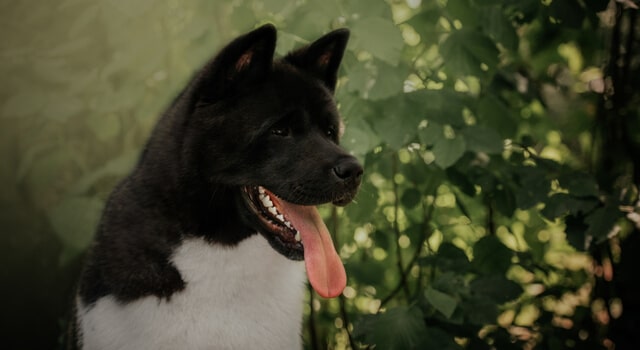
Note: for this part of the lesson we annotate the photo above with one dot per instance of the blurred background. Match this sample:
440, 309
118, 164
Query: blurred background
501, 144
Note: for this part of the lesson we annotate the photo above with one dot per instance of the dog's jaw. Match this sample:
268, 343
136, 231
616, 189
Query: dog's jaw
297, 231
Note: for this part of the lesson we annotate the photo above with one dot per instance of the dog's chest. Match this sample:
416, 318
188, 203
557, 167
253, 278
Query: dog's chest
245, 297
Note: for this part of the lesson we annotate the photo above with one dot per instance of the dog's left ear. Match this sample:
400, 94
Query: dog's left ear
322, 57
246, 60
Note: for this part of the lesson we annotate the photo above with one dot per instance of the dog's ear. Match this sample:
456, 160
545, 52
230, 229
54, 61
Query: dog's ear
322, 57
248, 58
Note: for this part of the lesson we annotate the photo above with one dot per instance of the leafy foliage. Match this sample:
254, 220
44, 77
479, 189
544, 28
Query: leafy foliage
491, 185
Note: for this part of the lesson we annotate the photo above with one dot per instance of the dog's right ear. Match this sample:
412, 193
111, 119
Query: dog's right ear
246, 59
322, 57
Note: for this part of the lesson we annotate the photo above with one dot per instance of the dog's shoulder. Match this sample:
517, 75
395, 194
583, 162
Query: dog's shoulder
130, 256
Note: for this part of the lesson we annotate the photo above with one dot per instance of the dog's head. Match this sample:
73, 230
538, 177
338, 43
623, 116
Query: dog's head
270, 128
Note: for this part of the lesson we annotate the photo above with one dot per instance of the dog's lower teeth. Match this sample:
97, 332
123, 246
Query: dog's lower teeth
261, 190
273, 210
297, 236
280, 217
288, 224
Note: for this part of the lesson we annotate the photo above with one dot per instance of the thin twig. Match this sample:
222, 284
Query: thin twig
345, 320
341, 298
427, 212
491, 224
403, 278
396, 229
312, 321
405, 272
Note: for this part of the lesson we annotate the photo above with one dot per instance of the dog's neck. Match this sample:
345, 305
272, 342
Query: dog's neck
203, 207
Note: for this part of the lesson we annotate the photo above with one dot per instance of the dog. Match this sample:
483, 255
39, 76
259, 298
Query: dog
204, 245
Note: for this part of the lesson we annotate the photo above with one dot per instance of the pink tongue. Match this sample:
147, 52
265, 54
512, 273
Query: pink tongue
324, 267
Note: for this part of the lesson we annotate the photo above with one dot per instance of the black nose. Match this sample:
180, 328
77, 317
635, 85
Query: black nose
348, 170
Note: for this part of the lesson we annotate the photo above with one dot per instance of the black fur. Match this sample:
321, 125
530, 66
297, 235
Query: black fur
244, 120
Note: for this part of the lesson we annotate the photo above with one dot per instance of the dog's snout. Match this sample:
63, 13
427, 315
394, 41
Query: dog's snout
348, 170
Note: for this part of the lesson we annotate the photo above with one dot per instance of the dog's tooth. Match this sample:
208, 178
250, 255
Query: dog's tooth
297, 236
288, 224
273, 210
266, 201
280, 217
260, 189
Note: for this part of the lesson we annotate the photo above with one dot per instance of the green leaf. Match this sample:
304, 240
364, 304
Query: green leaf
360, 79
368, 8
74, 221
287, 42
31, 156
359, 138
378, 36
370, 272
527, 141
448, 151
575, 229
560, 204
437, 338
442, 302
480, 311
568, 12
45, 170
533, 186
461, 180
504, 200
449, 258
389, 81
24, 103
399, 328
242, 17
364, 204
104, 127
60, 108
410, 198
451, 283
275, 5
482, 139
464, 52
499, 28
463, 11
490, 256
440, 106
397, 121
601, 221
579, 184
492, 112
431, 134
497, 288
117, 167
424, 22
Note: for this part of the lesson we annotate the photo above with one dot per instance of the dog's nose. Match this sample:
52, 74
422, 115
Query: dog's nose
348, 170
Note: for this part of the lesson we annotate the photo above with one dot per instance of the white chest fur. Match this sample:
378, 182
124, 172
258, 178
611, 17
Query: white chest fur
245, 297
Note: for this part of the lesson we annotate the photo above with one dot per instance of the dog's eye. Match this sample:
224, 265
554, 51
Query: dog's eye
331, 132
281, 131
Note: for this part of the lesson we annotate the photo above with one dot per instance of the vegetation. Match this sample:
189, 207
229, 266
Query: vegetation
500, 139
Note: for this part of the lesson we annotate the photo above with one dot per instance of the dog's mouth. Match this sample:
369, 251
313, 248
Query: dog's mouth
298, 232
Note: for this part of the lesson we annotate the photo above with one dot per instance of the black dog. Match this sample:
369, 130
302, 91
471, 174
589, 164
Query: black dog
201, 246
